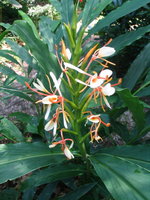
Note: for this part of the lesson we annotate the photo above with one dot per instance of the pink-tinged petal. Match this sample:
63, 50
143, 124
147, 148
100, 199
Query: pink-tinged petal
106, 51
108, 90
94, 118
106, 73
83, 83
47, 112
67, 153
106, 102
50, 125
56, 83
95, 81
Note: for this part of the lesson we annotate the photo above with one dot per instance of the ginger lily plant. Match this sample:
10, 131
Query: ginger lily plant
74, 89
74, 107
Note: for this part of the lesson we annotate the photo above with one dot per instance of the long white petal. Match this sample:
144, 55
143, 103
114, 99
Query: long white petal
72, 143
47, 112
106, 102
75, 68
37, 86
40, 83
64, 121
68, 53
56, 83
67, 153
49, 126
79, 81
60, 78
55, 129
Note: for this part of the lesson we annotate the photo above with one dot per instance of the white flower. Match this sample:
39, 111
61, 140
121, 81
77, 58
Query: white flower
39, 86
68, 153
49, 99
96, 81
52, 124
94, 118
56, 83
108, 90
106, 51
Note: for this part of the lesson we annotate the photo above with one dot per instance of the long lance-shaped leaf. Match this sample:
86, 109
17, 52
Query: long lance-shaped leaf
135, 106
5, 54
67, 10
47, 28
10, 131
22, 158
16, 92
121, 11
39, 49
51, 174
128, 38
125, 171
22, 53
30, 22
92, 9
10, 73
139, 65
78, 192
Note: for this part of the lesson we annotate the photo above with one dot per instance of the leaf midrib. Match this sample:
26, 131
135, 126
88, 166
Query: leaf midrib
122, 178
29, 157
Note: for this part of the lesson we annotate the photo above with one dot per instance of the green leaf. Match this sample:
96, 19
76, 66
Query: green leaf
144, 92
67, 8
22, 158
125, 171
22, 53
16, 92
29, 21
128, 38
46, 59
139, 65
57, 5
51, 174
4, 54
10, 131
11, 73
124, 9
5, 25
79, 192
92, 9
135, 106
29, 194
9, 194
47, 191
47, 27
15, 3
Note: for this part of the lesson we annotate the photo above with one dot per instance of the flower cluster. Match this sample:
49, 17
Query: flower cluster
100, 88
